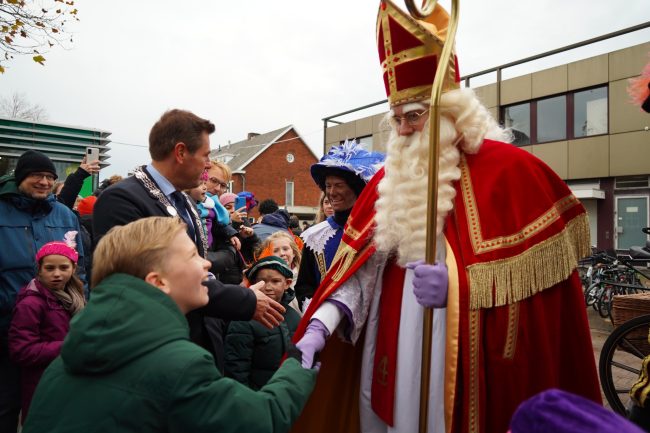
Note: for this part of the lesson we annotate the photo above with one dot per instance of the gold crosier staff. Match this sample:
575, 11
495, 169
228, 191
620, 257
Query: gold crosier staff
432, 203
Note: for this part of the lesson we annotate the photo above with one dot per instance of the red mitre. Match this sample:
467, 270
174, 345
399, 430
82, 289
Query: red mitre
409, 50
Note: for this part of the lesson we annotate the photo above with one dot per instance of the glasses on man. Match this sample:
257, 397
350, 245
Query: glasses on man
38, 176
412, 117
216, 181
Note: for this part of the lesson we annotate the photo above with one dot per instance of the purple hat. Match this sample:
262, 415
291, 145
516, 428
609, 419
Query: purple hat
556, 411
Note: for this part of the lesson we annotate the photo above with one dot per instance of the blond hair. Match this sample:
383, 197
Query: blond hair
136, 248
224, 167
320, 216
266, 247
402, 206
114, 179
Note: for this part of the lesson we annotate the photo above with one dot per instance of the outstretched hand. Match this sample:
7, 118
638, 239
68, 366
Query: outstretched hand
430, 283
295, 353
267, 311
312, 342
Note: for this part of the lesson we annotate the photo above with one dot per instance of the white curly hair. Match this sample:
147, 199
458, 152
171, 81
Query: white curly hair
402, 204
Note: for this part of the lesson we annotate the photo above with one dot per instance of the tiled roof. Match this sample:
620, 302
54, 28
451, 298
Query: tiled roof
244, 151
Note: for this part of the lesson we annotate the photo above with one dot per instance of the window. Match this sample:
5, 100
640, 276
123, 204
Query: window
573, 115
590, 112
288, 199
638, 181
7, 164
517, 118
551, 119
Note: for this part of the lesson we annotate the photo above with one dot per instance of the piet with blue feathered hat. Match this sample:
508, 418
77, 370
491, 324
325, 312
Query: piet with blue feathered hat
350, 161
356, 166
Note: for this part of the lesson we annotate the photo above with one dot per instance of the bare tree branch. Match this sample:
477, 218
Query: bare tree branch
27, 27
17, 106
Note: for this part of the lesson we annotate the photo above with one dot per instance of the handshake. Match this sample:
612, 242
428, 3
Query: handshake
429, 287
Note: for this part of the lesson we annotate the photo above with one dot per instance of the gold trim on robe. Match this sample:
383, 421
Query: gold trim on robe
452, 337
501, 282
474, 390
513, 328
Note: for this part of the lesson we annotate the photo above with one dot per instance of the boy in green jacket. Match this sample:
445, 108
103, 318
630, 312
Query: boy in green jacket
128, 365
253, 353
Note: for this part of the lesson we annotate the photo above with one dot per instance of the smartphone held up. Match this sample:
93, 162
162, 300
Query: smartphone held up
92, 154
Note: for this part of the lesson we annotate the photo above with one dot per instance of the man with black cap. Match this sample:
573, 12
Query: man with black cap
30, 216
341, 174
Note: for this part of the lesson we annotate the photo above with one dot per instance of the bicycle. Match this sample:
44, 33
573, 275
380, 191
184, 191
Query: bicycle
620, 359
609, 277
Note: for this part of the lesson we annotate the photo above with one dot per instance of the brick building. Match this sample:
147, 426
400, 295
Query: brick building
274, 165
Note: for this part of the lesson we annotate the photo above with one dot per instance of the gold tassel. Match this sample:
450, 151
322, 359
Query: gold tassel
540, 267
345, 254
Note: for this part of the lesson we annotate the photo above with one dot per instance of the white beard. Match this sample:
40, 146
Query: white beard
402, 205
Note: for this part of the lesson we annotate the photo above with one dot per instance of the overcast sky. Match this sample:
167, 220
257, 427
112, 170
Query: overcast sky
258, 65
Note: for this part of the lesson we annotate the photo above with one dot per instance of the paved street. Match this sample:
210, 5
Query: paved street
600, 330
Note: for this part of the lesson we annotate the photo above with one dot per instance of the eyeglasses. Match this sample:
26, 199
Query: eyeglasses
38, 176
412, 117
216, 181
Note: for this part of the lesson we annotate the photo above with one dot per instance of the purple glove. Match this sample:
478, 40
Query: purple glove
429, 283
312, 342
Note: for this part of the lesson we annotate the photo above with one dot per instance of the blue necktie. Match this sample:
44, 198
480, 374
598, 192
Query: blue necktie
183, 212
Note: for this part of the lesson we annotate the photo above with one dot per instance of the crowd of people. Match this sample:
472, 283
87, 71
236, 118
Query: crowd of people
154, 305
171, 222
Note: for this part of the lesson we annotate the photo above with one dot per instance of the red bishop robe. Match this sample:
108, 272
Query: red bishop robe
516, 322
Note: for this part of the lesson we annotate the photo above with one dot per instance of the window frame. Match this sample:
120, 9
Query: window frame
566, 117
286, 191
570, 114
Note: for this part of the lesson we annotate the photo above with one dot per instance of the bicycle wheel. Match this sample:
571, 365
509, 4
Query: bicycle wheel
620, 361
604, 304
591, 294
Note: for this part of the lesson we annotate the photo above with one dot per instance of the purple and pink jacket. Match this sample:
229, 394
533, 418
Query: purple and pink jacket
39, 325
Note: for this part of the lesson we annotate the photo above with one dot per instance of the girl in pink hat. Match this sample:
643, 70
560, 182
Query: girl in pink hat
42, 314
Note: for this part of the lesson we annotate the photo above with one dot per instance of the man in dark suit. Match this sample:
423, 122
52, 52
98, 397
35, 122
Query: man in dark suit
179, 146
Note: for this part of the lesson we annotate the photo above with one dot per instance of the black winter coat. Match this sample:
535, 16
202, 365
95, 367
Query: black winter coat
253, 352
227, 263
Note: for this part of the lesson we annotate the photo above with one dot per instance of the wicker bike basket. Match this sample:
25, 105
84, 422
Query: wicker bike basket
627, 307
